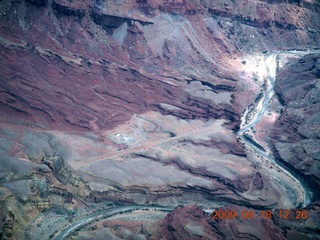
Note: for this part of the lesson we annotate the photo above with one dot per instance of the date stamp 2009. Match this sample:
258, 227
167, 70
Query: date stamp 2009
264, 214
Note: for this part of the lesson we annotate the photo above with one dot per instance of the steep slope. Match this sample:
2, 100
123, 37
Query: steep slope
105, 103
295, 136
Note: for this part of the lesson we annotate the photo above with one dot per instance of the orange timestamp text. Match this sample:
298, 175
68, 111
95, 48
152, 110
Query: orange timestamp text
264, 214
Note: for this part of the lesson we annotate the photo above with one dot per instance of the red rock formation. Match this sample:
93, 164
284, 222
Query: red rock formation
192, 223
80, 68
84, 70
187, 222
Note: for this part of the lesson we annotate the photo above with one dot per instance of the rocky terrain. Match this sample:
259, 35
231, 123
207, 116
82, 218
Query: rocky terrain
295, 136
191, 222
109, 103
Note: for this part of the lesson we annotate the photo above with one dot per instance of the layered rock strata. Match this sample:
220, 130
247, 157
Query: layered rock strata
108, 103
295, 136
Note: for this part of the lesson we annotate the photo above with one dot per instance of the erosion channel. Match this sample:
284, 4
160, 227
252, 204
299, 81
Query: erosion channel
295, 199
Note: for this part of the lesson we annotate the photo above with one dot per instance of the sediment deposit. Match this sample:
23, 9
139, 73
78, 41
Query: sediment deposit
109, 103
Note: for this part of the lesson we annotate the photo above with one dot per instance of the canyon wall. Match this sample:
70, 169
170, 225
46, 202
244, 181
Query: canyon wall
105, 103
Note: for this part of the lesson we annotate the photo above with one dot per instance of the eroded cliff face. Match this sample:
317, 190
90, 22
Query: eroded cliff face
191, 222
295, 136
60, 47
137, 102
101, 78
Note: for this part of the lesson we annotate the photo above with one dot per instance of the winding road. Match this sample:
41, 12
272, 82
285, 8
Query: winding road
106, 213
271, 66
